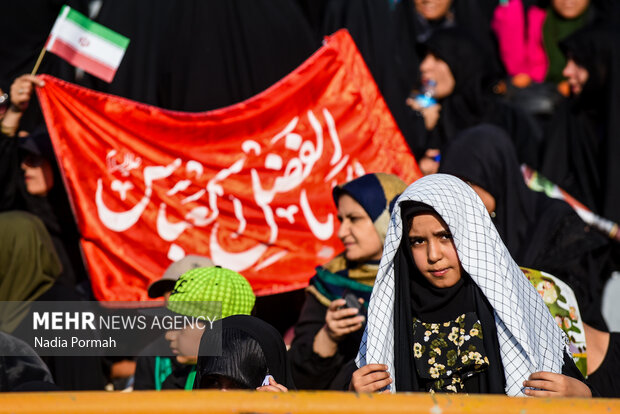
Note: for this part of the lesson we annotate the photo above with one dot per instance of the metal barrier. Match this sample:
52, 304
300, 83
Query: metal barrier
187, 402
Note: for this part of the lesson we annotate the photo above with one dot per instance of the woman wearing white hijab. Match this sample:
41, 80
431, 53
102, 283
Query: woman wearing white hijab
451, 311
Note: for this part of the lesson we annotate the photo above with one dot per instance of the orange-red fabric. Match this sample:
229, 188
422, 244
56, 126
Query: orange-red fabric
248, 185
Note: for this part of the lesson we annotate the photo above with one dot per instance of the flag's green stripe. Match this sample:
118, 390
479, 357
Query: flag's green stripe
101, 31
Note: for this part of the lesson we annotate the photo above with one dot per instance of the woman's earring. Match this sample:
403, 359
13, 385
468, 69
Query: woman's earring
492, 214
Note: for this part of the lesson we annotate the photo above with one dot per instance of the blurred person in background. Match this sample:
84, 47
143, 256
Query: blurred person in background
540, 232
328, 332
456, 76
581, 148
30, 270
529, 34
32, 182
253, 357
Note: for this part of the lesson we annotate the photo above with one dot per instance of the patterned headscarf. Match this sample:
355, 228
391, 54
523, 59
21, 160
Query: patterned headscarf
529, 340
376, 194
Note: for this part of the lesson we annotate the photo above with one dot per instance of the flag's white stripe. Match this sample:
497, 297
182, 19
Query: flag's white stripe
59, 21
92, 66
90, 44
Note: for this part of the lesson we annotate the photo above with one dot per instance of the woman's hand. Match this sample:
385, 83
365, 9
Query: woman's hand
370, 378
272, 387
338, 324
430, 113
21, 91
549, 384
339, 321
429, 163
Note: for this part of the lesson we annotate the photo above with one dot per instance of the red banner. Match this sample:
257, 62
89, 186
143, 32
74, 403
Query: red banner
248, 185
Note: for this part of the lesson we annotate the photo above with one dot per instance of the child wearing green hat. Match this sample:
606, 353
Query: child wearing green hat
203, 293
200, 293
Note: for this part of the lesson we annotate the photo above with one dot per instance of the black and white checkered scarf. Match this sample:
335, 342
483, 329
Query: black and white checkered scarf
529, 340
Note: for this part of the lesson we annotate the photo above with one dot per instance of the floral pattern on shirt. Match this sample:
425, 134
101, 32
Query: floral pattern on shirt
448, 353
562, 303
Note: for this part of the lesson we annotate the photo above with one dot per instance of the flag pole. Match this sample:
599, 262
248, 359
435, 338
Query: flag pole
36, 65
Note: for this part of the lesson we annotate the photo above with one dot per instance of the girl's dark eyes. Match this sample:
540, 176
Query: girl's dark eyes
419, 240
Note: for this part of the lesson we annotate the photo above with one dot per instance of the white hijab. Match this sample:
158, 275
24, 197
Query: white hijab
529, 339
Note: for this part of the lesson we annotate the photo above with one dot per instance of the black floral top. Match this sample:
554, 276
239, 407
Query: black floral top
448, 353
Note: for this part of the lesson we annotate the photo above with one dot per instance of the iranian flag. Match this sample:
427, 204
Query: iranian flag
86, 44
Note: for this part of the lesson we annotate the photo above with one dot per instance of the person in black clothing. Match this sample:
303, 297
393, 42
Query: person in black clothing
473, 16
540, 232
461, 75
605, 377
253, 357
386, 34
21, 369
32, 182
582, 148
29, 271
328, 332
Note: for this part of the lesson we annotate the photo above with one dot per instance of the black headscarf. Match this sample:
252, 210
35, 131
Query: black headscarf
200, 55
53, 208
384, 33
251, 349
418, 298
471, 102
472, 16
582, 148
484, 155
540, 232
21, 369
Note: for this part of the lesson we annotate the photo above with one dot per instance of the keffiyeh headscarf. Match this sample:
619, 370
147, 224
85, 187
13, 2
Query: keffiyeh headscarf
529, 340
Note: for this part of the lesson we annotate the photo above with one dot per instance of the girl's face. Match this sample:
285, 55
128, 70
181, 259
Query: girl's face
357, 231
435, 69
433, 250
576, 75
569, 9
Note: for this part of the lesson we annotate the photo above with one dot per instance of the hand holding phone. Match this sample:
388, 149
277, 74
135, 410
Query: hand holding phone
352, 301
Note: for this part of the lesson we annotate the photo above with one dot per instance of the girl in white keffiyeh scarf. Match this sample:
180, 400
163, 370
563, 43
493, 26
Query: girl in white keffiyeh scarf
451, 311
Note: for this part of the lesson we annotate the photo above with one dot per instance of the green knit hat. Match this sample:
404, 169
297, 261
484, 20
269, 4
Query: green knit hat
199, 292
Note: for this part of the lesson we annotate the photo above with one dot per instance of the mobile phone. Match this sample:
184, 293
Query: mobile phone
352, 301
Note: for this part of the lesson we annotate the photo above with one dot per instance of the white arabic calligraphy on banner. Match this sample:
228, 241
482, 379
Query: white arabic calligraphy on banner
293, 174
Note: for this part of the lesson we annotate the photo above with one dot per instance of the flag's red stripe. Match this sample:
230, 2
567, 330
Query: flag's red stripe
90, 65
